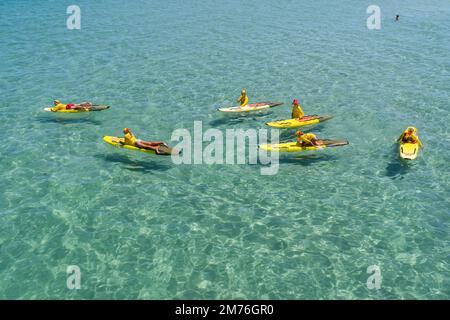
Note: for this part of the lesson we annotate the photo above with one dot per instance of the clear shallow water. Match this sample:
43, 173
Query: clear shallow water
141, 227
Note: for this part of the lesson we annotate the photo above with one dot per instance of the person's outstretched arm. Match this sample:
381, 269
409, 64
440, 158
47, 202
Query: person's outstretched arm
419, 142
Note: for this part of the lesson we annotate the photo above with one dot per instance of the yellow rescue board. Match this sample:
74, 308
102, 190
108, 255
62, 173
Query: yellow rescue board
93, 108
117, 142
294, 147
298, 122
409, 151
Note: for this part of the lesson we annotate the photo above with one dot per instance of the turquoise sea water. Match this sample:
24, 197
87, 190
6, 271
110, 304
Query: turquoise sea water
140, 227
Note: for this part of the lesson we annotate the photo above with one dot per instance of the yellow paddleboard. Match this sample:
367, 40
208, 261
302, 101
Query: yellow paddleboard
93, 108
162, 149
117, 143
293, 147
295, 123
409, 151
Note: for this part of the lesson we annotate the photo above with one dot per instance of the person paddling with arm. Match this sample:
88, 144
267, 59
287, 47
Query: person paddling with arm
131, 140
410, 136
307, 139
58, 106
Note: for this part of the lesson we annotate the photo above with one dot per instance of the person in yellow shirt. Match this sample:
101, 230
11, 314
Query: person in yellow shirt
58, 106
297, 112
131, 140
243, 99
307, 139
410, 136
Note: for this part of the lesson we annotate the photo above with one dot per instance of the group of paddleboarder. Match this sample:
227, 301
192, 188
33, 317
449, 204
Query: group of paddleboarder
128, 139
302, 139
310, 139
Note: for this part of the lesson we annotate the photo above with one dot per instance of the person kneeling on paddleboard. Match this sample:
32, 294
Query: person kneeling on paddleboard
243, 99
307, 139
410, 136
130, 139
61, 106
297, 112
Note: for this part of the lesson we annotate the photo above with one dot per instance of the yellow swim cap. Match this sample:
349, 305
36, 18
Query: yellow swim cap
244, 91
56, 101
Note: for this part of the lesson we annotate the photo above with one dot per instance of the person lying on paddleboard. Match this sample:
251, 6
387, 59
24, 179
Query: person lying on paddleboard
243, 99
307, 139
410, 136
130, 139
297, 112
61, 106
